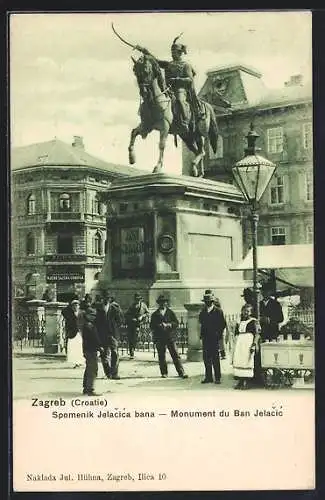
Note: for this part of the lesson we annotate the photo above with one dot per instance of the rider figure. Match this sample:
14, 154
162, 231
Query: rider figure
179, 77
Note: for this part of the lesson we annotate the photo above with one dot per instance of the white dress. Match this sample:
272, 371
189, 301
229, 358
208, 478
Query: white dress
74, 350
243, 358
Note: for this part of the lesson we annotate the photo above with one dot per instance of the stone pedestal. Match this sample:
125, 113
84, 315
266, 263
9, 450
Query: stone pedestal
54, 336
173, 235
194, 352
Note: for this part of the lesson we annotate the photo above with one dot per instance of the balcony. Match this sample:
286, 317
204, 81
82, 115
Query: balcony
65, 257
64, 216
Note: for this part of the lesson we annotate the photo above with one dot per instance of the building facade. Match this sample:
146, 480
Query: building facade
283, 120
58, 218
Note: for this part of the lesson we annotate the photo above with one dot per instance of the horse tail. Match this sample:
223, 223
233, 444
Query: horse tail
213, 131
175, 140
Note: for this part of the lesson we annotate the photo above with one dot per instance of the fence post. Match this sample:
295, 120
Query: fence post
35, 317
194, 350
53, 330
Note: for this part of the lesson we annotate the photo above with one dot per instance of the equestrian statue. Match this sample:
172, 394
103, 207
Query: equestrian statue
169, 104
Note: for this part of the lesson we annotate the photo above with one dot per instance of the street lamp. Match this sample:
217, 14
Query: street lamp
252, 175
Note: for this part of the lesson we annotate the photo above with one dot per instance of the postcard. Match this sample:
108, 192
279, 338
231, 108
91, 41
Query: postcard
162, 241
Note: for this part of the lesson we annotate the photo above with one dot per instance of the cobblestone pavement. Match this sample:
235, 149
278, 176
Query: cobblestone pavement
53, 377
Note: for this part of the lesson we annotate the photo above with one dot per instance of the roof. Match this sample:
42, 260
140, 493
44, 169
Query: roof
279, 257
293, 264
232, 67
59, 153
284, 95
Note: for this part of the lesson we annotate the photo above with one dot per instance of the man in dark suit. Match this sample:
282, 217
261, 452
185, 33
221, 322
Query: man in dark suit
109, 318
163, 324
136, 315
213, 323
271, 314
91, 344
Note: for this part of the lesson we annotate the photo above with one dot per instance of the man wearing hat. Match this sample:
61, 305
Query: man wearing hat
179, 77
213, 323
136, 315
164, 324
109, 318
271, 314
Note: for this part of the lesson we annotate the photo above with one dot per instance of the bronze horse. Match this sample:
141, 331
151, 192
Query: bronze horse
157, 113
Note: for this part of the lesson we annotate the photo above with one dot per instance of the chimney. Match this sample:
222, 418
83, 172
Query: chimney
78, 142
294, 81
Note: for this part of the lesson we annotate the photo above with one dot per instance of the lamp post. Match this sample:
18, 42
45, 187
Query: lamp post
252, 175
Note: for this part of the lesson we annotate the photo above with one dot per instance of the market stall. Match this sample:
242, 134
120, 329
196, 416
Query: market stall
289, 361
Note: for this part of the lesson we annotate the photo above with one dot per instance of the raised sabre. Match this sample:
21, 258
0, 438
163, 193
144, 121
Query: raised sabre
134, 47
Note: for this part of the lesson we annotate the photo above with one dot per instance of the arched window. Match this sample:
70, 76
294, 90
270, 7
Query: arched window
96, 276
65, 202
98, 243
30, 244
96, 205
31, 204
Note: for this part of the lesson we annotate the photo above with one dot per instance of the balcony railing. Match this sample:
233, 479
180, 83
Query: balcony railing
65, 257
58, 216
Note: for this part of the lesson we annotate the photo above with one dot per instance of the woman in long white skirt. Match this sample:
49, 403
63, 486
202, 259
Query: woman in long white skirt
246, 340
74, 338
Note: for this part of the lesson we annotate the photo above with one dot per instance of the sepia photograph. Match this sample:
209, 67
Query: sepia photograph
162, 242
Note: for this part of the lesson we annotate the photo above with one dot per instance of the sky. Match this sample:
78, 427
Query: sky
70, 75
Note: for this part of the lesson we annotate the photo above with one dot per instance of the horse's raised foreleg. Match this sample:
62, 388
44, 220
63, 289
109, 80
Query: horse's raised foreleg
134, 134
162, 144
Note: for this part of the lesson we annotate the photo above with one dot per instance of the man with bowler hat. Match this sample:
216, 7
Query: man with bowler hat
271, 314
213, 323
108, 320
136, 315
164, 324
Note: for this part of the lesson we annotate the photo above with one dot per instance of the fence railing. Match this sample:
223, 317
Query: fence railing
29, 330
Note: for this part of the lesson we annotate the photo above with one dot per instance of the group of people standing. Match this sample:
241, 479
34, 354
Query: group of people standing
93, 328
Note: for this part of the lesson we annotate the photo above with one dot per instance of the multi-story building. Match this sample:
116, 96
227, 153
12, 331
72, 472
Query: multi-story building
58, 219
283, 120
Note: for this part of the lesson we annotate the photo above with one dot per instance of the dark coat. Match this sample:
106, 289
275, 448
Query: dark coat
213, 324
270, 316
138, 313
71, 322
161, 334
87, 323
108, 325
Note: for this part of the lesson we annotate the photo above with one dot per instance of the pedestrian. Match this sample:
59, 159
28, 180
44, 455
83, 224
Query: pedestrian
271, 314
136, 316
73, 334
164, 324
109, 318
212, 323
87, 301
246, 345
91, 345
248, 296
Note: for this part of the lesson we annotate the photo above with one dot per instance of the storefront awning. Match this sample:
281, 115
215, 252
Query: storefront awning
292, 263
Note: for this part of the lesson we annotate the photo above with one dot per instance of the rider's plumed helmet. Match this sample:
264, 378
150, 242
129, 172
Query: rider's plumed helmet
179, 46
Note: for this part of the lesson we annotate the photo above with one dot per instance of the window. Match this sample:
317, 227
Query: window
275, 140
309, 186
96, 276
65, 244
65, 202
277, 190
96, 205
219, 152
309, 234
98, 243
307, 135
278, 235
30, 244
31, 205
